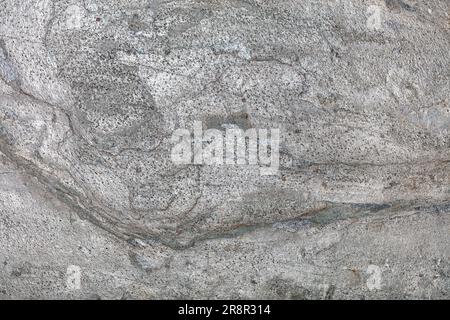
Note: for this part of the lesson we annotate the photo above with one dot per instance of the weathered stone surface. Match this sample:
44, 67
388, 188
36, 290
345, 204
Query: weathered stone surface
91, 92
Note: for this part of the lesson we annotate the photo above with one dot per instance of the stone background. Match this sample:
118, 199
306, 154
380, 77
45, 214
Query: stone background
91, 205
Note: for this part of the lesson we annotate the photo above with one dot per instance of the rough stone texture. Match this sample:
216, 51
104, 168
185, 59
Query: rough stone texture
91, 91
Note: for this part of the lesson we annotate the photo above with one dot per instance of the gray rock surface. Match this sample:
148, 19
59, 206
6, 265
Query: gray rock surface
92, 206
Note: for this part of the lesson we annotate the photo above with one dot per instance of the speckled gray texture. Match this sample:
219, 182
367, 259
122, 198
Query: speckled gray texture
92, 206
